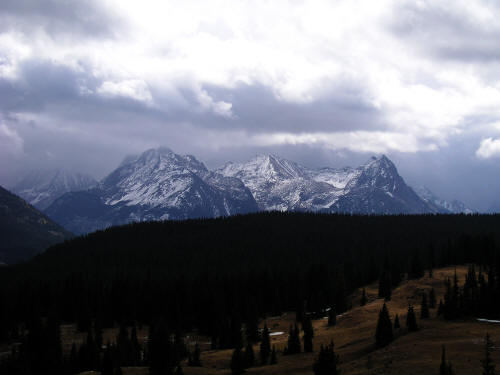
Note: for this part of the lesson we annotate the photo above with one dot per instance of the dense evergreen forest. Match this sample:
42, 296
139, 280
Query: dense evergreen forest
219, 275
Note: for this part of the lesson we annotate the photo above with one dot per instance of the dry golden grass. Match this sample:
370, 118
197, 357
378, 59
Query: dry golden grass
410, 353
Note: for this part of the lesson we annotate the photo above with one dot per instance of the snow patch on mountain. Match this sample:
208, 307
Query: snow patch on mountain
41, 188
455, 206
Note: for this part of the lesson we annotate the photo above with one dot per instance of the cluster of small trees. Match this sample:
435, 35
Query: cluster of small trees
384, 333
243, 359
41, 351
327, 361
479, 295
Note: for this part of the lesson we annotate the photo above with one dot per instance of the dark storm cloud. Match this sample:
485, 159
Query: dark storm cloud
342, 107
72, 94
57, 17
448, 32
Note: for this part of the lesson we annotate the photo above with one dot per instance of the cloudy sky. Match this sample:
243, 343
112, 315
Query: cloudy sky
84, 83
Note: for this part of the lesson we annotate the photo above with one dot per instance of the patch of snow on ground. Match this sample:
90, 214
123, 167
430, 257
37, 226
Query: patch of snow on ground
276, 333
488, 321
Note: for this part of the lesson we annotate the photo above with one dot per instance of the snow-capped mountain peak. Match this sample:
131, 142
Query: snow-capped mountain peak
443, 205
156, 185
41, 188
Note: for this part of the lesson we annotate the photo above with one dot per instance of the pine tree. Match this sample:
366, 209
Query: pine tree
416, 269
424, 308
273, 360
293, 340
411, 320
327, 361
53, 346
265, 346
73, 360
445, 368
107, 361
308, 335
432, 299
179, 347
252, 328
384, 334
248, 355
160, 350
440, 310
237, 363
136, 347
194, 357
385, 285
487, 362
332, 317
363, 298
124, 347
397, 325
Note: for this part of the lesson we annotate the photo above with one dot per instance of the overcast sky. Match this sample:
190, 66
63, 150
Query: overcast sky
84, 83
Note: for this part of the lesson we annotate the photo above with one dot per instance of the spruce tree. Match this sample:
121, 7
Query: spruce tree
487, 362
237, 362
293, 340
124, 347
308, 335
160, 350
136, 347
424, 307
384, 334
432, 299
265, 345
411, 320
194, 357
332, 317
445, 368
107, 361
73, 360
273, 360
327, 361
440, 310
385, 285
397, 325
249, 355
363, 298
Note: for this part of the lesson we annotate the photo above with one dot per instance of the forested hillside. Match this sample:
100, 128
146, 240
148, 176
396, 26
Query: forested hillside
216, 276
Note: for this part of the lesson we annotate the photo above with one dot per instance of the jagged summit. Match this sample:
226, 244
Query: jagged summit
41, 188
156, 185
455, 206
160, 184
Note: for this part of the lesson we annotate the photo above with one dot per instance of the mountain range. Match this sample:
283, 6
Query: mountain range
160, 184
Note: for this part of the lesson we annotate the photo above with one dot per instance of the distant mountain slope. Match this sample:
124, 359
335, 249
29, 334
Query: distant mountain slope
280, 184
373, 188
24, 231
379, 189
156, 185
41, 188
455, 206
160, 184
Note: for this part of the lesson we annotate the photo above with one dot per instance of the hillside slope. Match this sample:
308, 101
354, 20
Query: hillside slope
24, 231
410, 353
